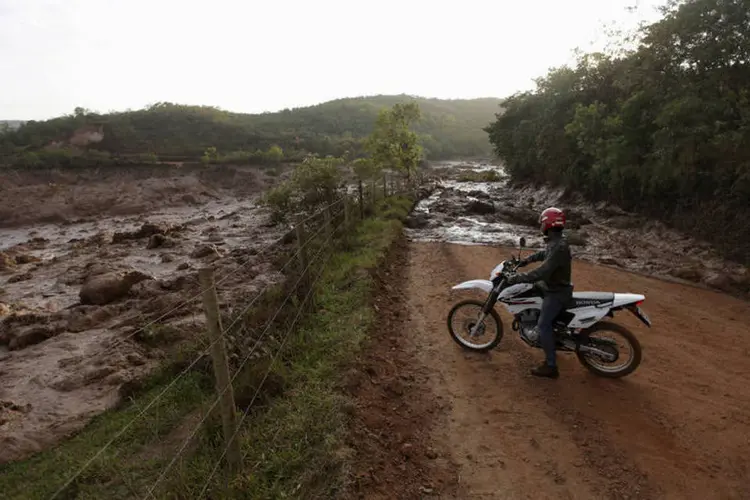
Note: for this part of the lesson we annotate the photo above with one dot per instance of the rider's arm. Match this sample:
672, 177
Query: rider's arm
536, 257
552, 259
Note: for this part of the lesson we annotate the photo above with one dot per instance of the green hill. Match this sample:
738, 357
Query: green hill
449, 128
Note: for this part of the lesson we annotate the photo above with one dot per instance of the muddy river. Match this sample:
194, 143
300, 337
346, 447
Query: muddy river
474, 204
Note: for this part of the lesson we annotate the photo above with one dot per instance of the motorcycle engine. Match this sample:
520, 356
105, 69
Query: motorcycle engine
526, 322
527, 319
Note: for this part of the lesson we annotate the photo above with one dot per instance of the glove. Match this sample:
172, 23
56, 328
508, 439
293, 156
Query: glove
523, 263
513, 280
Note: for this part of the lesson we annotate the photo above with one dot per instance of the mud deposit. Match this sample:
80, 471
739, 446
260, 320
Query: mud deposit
465, 211
91, 299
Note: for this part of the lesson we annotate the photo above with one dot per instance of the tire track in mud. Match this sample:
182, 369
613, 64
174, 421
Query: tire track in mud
644, 436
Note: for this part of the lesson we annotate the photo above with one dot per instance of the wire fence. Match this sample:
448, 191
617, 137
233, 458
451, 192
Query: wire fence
317, 231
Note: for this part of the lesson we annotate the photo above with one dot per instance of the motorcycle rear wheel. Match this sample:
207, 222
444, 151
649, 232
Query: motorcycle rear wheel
492, 318
599, 367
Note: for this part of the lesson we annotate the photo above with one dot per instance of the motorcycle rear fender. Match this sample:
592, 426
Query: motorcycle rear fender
484, 285
626, 299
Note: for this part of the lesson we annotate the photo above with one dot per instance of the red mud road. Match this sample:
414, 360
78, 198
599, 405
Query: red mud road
433, 421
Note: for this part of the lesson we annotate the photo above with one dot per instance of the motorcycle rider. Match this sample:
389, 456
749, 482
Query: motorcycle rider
554, 274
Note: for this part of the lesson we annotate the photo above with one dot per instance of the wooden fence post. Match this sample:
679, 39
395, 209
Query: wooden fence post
221, 369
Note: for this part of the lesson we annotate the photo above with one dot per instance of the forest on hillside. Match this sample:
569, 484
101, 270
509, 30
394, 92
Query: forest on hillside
663, 128
447, 128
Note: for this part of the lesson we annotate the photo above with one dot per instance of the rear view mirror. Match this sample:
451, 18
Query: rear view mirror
522, 242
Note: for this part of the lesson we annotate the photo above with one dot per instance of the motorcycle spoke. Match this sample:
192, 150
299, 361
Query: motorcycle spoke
608, 342
472, 326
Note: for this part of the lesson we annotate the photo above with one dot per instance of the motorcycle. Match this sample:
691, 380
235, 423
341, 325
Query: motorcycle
578, 329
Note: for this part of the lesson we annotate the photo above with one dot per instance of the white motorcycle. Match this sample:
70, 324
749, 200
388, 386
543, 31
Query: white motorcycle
578, 329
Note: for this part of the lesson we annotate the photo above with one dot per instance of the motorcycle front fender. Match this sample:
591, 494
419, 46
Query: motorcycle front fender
484, 285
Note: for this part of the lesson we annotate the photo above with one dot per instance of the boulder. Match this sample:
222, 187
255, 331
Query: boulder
26, 259
204, 251
109, 287
479, 194
417, 221
480, 207
160, 241
19, 277
146, 231
688, 273
7, 263
523, 216
576, 238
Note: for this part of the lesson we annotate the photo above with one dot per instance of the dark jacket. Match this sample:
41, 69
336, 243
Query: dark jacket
556, 268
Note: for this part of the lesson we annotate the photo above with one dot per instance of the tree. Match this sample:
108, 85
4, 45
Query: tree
275, 154
663, 128
393, 144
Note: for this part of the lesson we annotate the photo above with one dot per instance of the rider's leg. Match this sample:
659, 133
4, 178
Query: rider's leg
551, 307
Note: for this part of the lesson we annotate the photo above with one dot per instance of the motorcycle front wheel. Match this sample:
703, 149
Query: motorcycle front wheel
615, 340
464, 316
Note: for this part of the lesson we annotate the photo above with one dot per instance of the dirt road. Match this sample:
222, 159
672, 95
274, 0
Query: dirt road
679, 427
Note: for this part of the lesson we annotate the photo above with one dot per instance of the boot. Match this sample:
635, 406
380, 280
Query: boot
545, 370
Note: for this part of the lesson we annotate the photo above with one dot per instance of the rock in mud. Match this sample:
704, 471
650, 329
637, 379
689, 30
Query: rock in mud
84, 318
160, 241
479, 194
20, 277
146, 231
94, 269
688, 273
5, 310
23, 337
7, 263
576, 238
204, 251
105, 288
417, 221
521, 216
480, 207
575, 219
26, 259
184, 266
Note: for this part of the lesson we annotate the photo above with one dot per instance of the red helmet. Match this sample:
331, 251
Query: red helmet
552, 217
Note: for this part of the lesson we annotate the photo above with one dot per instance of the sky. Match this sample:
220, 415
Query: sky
266, 55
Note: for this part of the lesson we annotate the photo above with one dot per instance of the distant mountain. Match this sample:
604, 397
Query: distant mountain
449, 128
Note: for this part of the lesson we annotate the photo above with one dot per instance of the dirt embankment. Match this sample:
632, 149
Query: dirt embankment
676, 428
90, 305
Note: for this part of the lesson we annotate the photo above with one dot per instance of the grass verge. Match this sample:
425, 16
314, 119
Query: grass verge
293, 437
